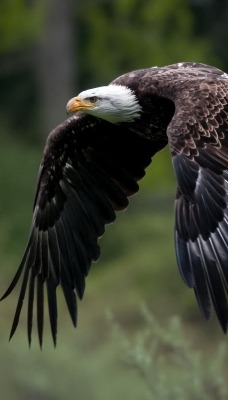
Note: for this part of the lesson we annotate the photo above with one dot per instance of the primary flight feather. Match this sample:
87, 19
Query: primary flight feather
92, 163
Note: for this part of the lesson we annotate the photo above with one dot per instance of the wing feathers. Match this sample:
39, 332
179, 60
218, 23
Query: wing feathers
30, 306
20, 302
90, 168
201, 226
198, 139
52, 306
81, 186
40, 307
215, 284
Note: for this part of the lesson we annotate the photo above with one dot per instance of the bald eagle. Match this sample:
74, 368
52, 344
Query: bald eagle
92, 163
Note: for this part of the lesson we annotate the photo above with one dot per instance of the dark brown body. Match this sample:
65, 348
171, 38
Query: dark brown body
91, 166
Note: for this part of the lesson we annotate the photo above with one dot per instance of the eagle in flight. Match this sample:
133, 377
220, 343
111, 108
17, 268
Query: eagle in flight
92, 163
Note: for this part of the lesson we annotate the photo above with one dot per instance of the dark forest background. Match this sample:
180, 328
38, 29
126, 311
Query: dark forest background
140, 333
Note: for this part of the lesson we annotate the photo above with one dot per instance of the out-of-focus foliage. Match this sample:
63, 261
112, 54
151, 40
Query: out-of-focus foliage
20, 23
117, 36
137, 265
169, 366
138, 261
111, 37
211, 18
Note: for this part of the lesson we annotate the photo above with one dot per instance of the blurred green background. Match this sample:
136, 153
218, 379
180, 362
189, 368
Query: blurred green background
49, 51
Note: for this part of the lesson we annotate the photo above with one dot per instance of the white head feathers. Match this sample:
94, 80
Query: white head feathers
114, 103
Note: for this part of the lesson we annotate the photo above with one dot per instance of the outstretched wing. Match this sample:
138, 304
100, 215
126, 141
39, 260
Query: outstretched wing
198, 138
89, 169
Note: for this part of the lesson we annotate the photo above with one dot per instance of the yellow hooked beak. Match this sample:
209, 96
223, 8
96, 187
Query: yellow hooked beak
77, 104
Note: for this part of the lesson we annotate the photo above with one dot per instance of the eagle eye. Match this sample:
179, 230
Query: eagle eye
93, 99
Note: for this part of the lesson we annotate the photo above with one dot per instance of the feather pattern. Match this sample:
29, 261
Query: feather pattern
90, 167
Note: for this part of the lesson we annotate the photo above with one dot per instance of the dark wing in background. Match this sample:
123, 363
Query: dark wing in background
198, 138
89, 169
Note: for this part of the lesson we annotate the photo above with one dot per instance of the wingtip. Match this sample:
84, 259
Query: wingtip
6, 294
13, 329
